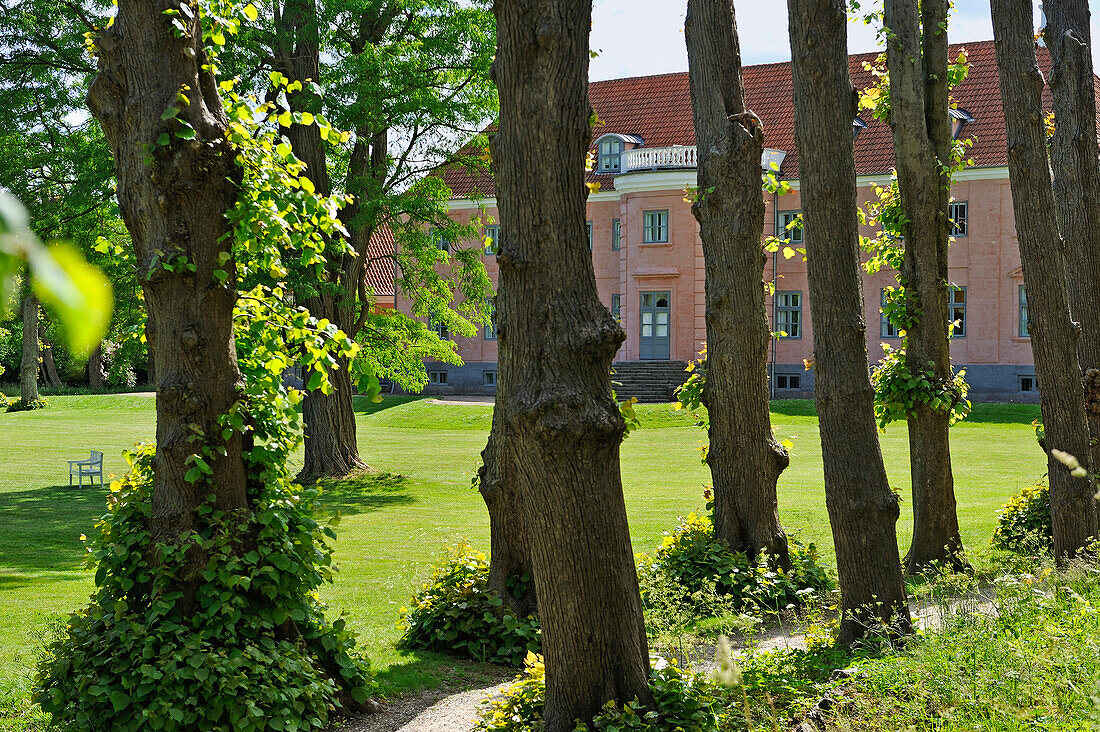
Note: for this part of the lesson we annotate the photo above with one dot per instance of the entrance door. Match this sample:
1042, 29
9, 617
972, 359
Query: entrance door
655, 325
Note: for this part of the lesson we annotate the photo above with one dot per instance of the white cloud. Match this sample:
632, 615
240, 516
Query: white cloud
640, 37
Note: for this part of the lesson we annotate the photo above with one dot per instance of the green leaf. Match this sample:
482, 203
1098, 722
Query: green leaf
76, 291
170, 113
119, 700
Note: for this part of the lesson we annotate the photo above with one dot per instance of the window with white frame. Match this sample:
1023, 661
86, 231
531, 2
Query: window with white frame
491, 326
655, 226
616, 235
956, 311
886, 328
439, 240
437, 377
610, 154
616, 307
788, 314
788, 225
491, 239
958, 212
788, 381
489, 378
1023, 331
589, 236
439, 328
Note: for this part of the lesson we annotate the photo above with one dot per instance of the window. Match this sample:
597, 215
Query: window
956, 310
886, 328
1028, 383
788, 314
589, 236
611, 150
616, 235
440, 243
437, 377
491, 326
439, 328
788, 381
492, 239
785, 219
654, 226
616, 307
489, 378
1023, 314
957, 212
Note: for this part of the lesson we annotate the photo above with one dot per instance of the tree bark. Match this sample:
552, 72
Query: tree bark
745, 459
49, 366
863, 511
564, 426
1053, 336
95, 368
28, 364
1077, 185
174, 206
917, 58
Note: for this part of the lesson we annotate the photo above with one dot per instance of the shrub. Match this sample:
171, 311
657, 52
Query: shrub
683, 702
1025, 523
695, 566
18, 405
455, 612
240, 644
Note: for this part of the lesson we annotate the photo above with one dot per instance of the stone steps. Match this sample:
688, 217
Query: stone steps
648, 381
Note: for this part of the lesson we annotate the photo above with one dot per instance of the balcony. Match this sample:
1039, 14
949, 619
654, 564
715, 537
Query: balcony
680, 157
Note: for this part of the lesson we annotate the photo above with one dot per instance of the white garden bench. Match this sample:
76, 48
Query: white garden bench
92, 468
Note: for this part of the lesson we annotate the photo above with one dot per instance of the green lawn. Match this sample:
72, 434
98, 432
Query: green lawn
395, 524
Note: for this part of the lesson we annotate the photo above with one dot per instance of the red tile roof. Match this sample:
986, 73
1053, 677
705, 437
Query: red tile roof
380, 271
658, 108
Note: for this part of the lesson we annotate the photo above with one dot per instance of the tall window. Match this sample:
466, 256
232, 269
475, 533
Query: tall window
589, 236
958, 212
616, 235
788, 314
611, 151
1023, 314
439, 328
654, 226
886, 328
440, 242
491, 326
956, 310
785, 219
491, 238
616, 307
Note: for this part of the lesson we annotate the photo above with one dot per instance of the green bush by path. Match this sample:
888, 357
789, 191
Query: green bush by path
1025, 524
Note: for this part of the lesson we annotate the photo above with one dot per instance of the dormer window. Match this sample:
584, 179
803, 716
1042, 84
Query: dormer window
858, 126
959, 117
611, 149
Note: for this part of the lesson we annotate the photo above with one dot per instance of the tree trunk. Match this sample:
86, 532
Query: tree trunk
863, 511
1053, 336
331, 450
1077, 185
95, 368
745, 459
28, 365
49, 365
916, 54
174, 206
564, 428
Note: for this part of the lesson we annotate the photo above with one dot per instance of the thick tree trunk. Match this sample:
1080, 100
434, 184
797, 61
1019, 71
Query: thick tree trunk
1077, 185
28, 364
174, 206
49, 365
745, 459
863, 511
331, 450
1053, 336
95, 368
564, 428
916, 54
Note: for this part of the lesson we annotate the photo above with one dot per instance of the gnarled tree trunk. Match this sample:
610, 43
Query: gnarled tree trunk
863, 511
916, 55
49, 365
174, 206
1053, 336
28, 364
95, 368
564, 428
1077, 185
745, 459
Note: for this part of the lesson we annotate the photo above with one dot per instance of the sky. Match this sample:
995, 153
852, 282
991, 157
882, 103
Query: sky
640, 37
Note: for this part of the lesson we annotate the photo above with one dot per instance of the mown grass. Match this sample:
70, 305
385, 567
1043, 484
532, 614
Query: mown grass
397, 520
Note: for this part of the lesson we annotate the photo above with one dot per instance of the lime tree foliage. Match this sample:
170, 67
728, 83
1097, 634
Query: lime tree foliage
216, 625
455, 612
1025, 521
900, 388
57, 162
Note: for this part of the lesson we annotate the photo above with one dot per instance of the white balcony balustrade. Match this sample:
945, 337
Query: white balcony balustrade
680, 157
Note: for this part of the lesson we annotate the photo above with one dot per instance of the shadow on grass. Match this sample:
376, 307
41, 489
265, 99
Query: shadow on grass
987, 413
365, 492
365, 406
40, 528
425, 670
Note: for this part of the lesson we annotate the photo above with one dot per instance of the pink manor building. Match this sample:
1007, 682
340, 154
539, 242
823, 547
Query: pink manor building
648, 258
